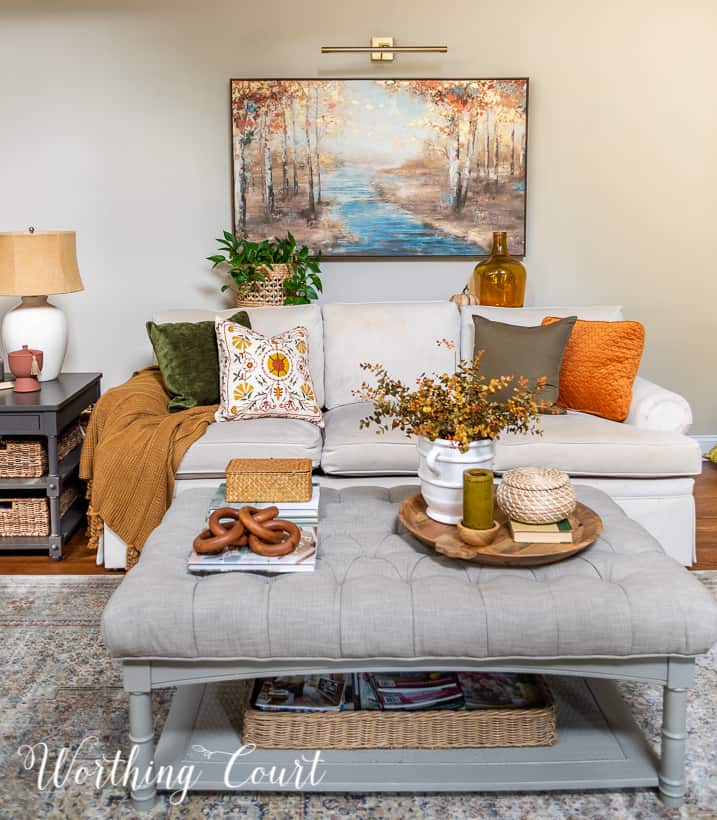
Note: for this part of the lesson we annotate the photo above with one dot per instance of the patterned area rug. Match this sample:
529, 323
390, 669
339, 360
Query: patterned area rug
60, 687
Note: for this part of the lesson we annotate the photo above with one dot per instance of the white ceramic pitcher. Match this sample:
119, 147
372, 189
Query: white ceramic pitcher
440, 469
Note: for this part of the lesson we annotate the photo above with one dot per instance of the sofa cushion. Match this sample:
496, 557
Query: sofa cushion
351, 451
401, 336
269, 321
580, 444
254, 438
584, 445
528, 316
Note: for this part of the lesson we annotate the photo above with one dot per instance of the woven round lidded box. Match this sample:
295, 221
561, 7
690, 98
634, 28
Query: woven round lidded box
536, 495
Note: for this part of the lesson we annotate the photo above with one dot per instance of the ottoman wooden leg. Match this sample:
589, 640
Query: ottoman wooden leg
141, 735
673, 783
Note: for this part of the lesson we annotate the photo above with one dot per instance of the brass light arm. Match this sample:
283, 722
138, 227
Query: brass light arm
396, 49
383, 49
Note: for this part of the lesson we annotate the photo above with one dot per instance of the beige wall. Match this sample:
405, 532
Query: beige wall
114, 122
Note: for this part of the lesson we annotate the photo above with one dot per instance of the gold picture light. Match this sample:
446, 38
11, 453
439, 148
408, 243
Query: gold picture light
382, 49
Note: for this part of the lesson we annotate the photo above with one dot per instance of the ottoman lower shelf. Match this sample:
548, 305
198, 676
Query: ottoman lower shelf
599, 746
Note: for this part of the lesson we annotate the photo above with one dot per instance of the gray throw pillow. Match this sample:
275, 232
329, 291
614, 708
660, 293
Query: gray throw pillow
513, 350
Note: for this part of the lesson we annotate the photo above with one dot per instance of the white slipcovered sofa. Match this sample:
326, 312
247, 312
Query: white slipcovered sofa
646, 463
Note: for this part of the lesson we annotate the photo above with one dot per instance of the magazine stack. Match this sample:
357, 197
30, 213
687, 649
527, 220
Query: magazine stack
391, 691
447, 690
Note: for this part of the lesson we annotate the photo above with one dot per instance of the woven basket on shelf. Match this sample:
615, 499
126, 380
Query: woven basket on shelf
432, 729
270, 291
31, 515
536, 495
269, 479
22, 457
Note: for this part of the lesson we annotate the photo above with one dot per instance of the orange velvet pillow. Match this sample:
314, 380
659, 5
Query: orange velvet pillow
599, 367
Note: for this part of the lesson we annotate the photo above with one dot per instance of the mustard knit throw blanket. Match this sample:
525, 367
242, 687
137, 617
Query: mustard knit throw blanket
130, 456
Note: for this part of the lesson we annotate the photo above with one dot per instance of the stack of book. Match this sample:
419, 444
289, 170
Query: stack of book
305, 514
559, 533
301, 513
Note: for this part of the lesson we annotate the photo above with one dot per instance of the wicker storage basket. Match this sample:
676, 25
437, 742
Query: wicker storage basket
270, 291
437, 729
22, 457
536, 495
31, 515
269, 479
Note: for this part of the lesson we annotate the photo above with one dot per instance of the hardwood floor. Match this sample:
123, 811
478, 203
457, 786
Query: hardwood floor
706, 504
78, 560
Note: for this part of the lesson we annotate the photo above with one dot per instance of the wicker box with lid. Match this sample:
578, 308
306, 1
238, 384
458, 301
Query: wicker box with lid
269, 479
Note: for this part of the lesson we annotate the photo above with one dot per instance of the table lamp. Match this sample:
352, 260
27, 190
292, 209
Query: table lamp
34, 265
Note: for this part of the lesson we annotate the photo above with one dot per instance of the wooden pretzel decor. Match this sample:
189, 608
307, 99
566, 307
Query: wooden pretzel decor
260, 530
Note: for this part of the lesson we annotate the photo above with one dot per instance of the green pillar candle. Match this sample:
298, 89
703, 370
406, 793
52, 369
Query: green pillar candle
478, 499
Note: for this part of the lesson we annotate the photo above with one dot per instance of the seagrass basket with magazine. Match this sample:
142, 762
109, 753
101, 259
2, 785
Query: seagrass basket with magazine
269, 479
425, 729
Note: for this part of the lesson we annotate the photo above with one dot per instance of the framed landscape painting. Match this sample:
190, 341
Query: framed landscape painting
381, 168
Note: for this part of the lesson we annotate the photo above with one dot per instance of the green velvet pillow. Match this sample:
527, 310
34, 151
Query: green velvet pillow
189, 361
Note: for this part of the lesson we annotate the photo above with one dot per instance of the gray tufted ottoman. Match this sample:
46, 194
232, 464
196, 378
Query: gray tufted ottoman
381, 600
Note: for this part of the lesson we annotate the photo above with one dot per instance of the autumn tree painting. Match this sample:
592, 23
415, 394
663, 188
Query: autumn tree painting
381, 167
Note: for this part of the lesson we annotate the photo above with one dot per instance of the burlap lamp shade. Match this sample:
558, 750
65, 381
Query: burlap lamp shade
34, 265
38, 264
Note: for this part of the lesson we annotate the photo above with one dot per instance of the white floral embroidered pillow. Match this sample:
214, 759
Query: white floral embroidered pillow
264, 376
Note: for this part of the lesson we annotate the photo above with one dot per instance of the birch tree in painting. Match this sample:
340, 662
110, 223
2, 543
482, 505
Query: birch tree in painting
381, 167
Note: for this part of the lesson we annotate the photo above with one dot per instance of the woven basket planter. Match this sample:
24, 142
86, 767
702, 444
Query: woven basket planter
432, 729
536, 495
22, 457
31, 516
268, 292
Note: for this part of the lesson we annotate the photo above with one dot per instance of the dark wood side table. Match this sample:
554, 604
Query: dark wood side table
48, 412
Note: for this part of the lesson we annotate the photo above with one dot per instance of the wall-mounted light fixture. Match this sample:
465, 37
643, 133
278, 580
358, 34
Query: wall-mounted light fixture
382, 49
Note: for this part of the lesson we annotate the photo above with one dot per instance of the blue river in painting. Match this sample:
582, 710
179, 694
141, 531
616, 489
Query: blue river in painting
382, 228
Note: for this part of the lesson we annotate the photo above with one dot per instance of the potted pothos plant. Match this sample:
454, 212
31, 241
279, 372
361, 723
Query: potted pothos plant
254, 266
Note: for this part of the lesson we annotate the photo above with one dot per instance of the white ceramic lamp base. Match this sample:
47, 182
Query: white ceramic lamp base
39, 325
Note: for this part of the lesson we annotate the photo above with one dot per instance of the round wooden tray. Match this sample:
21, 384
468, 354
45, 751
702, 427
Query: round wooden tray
503, 551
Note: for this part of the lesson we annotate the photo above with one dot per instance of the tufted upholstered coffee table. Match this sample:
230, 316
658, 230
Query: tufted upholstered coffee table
380, 600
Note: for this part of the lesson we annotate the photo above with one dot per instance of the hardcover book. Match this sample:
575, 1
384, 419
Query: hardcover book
559, 533
302, 559
303, 513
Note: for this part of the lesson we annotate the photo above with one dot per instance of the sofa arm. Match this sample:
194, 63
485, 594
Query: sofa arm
656, 408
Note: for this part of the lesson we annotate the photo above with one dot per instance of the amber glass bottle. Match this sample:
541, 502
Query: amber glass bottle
500, 279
